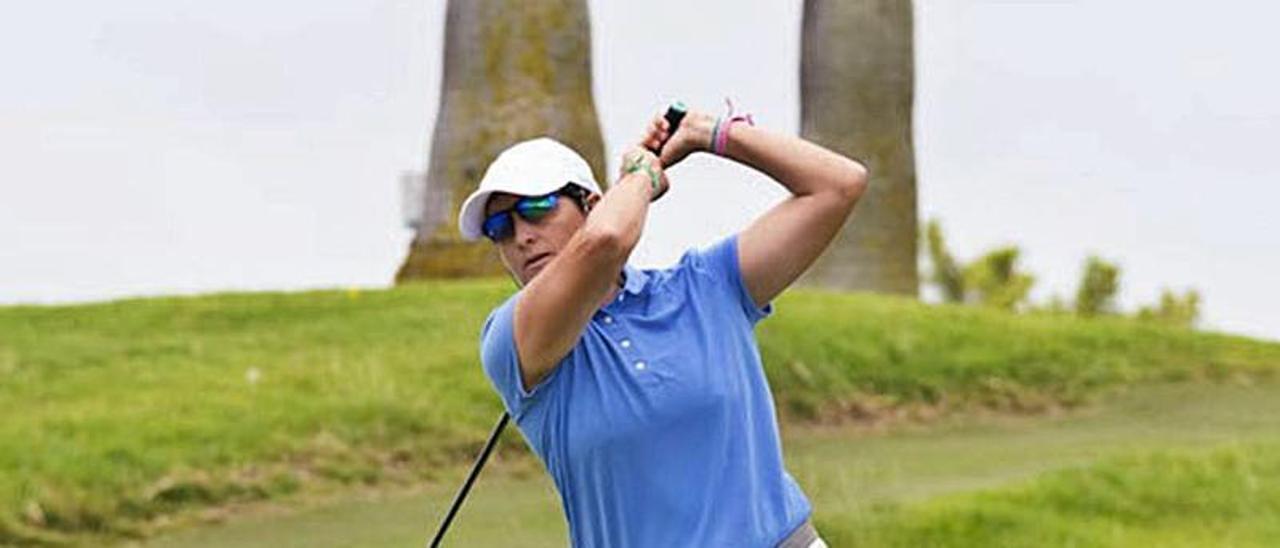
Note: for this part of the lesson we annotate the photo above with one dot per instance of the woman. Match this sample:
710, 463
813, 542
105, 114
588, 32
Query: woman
642, 391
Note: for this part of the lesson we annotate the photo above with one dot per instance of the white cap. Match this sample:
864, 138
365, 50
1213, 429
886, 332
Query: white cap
528, 168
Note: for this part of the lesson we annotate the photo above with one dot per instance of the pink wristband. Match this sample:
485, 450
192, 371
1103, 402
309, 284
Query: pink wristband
722, 137
722, 128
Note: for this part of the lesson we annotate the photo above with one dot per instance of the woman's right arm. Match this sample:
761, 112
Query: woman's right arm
557, 304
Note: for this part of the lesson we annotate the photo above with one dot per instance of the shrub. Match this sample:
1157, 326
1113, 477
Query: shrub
1098, 287
993, 280
946, 272
1175, 310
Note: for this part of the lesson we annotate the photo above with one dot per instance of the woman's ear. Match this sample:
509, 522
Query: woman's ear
591, 201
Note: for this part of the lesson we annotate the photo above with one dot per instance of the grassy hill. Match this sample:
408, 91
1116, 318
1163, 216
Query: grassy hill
122, 415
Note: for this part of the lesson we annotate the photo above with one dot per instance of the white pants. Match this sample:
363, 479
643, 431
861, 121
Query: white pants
818, 543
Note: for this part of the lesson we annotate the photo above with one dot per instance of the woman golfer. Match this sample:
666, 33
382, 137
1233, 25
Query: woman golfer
642, 391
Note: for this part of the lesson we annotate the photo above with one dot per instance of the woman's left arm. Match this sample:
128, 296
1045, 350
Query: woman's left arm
780, 245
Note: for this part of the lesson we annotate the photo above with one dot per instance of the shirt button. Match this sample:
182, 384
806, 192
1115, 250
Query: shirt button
620, 296
608, 319
626, 343
640, 366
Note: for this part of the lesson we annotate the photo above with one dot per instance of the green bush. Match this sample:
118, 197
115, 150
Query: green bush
994, 279
1098, 287
1175, 310
991, 280
947, 273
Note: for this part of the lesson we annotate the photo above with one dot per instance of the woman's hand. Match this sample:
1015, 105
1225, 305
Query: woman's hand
642, 162
693, 135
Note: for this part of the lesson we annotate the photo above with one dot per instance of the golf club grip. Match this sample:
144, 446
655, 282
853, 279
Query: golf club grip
674, 115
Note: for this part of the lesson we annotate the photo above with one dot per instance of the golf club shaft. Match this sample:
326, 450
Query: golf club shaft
471, 478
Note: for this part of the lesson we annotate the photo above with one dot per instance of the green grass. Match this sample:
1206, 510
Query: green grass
1226, 497
851, 477
121, 415
855, 353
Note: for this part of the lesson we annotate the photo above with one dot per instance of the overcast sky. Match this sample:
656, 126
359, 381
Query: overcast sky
152, 147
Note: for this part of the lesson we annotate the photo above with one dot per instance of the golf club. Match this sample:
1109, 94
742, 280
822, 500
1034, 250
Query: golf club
674, 115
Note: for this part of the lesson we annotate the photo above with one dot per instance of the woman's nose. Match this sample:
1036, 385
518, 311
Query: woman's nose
525, 231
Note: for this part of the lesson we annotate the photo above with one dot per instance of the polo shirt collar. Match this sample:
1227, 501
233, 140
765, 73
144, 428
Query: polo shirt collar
635, 279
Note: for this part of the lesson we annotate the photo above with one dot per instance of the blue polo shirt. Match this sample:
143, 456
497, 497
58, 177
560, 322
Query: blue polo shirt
658, 428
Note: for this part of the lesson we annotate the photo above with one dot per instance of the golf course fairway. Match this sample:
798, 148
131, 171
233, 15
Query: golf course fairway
850, 474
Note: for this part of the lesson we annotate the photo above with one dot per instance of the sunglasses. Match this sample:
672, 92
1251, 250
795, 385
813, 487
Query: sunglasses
500, 225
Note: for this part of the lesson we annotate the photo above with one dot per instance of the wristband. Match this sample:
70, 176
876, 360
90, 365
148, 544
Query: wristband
715, 131
655, 185
720, 135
